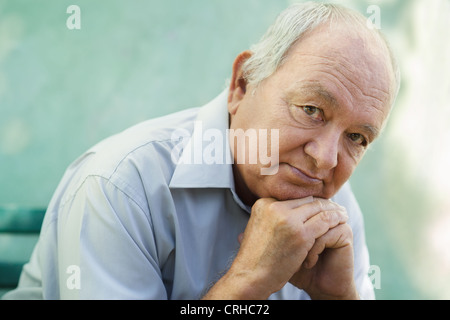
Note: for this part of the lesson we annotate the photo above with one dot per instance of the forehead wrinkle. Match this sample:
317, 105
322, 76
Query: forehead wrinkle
358, 87
348, 84
344, 66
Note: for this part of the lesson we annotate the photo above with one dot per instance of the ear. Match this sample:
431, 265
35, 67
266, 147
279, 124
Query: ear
238, 85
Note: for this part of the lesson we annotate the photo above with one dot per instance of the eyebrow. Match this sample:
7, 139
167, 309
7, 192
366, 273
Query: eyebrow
315, 88
371, 131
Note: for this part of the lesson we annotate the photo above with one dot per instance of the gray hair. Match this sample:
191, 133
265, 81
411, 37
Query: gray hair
269, 53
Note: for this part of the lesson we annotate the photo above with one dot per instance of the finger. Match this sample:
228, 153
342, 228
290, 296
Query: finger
295, 203
309, 210
281, 206
335, 238
320, 223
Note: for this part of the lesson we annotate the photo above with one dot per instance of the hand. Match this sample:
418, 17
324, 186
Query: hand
327, 271
279, 236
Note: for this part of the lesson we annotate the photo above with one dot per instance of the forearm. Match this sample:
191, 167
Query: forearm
238, 285
235, 287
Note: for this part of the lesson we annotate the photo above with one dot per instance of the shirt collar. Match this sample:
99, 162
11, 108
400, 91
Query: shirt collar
206, 161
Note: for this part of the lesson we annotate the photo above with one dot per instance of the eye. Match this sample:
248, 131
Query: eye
358, 139
313, 112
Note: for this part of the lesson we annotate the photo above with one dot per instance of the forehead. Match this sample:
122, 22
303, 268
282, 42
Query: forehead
359, 60
345, 70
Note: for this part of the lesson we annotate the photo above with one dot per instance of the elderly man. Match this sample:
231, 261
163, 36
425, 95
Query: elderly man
146, 215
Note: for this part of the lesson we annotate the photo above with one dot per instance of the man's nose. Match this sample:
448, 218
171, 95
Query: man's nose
324, 149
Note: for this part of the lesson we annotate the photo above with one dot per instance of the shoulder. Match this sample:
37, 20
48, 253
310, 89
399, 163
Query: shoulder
130, 159
140, 140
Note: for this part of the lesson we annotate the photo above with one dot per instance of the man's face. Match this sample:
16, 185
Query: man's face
329, 101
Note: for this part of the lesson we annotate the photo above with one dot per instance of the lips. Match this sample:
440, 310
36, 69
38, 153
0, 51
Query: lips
305, 177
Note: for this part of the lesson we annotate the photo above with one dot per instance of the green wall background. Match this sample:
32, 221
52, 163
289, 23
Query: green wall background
62, 90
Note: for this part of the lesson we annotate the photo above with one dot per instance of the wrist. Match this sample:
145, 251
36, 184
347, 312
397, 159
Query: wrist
238, 285
349, 294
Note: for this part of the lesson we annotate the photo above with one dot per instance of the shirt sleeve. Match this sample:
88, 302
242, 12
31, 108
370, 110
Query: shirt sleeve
106, 246
361, 254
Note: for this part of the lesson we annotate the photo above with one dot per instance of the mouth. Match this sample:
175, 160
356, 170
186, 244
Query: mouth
304, 177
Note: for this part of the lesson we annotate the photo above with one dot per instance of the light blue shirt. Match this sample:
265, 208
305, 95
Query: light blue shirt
128, 222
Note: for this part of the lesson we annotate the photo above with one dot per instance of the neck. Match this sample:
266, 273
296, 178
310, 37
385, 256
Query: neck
241, 188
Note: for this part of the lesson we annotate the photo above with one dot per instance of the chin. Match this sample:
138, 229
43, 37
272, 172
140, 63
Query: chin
287, 191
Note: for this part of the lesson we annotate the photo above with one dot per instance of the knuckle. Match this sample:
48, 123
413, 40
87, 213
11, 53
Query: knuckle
329, 217
345, 235
348, 232
261, 204
278, 213
319, 205
274, 206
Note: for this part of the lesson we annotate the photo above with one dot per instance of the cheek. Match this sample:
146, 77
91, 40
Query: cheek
291, 138
343, 171
292, 141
